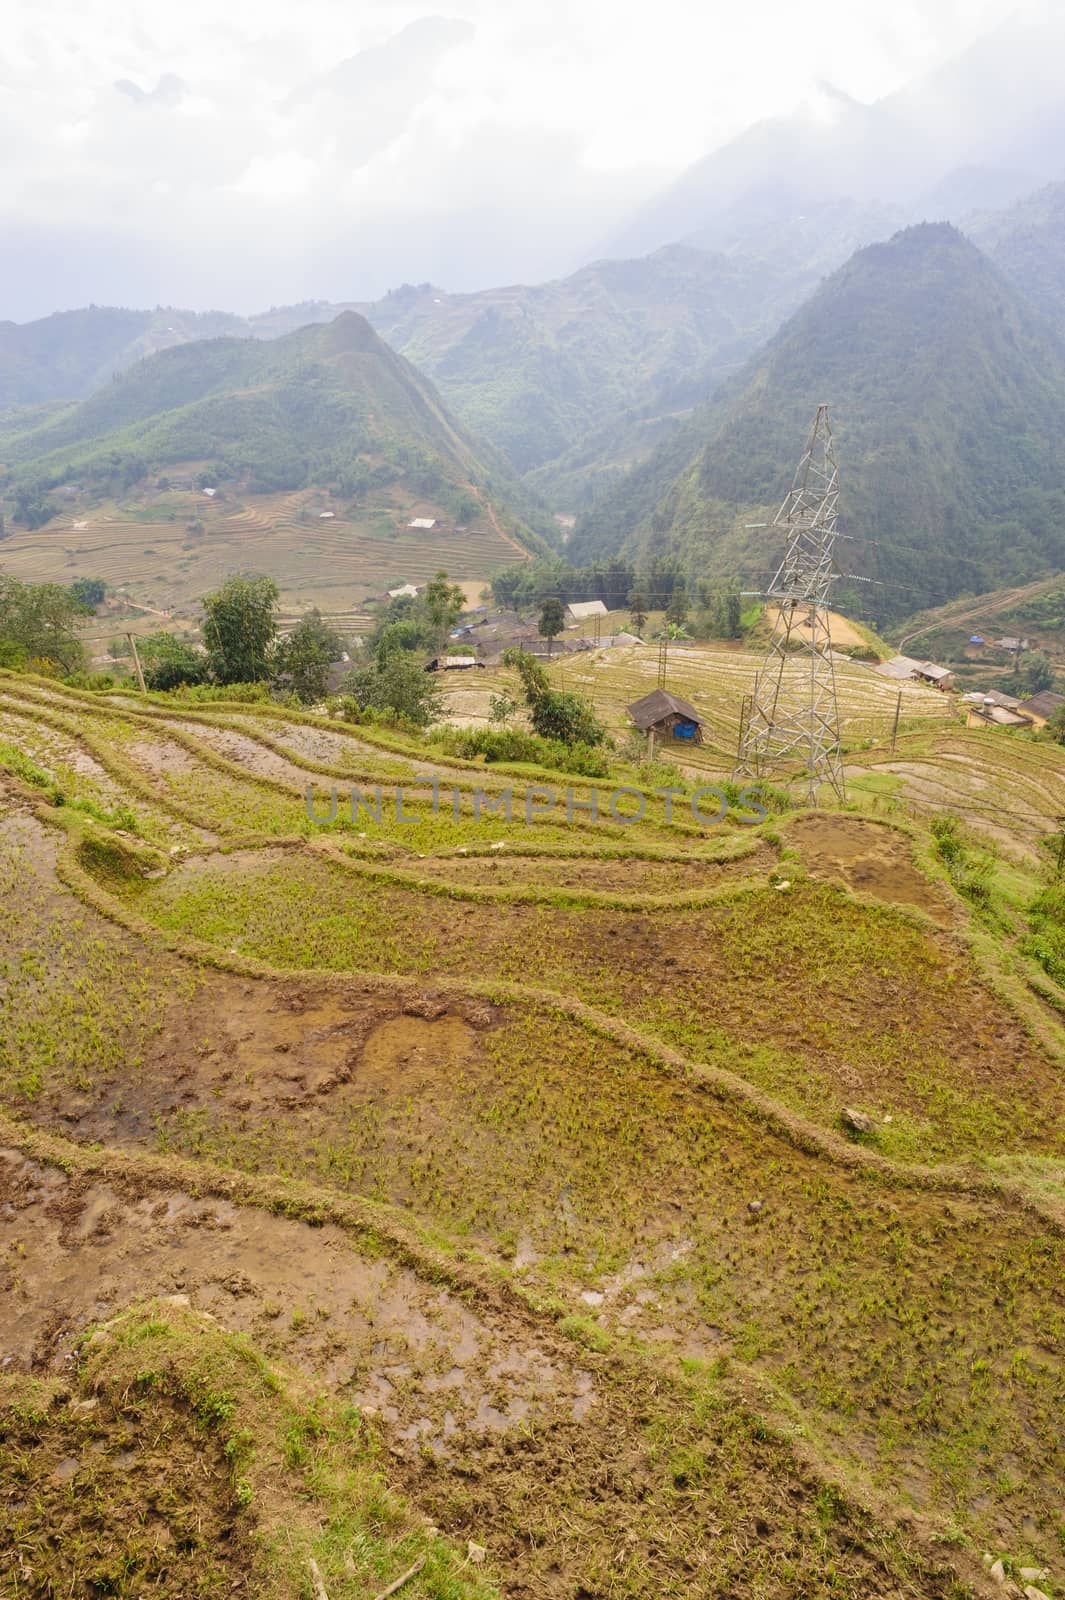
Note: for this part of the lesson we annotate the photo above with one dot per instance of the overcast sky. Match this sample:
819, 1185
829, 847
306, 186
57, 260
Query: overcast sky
255, 151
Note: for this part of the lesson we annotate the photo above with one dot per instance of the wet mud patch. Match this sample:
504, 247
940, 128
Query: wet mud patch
114, 1496
412, 1353
869, 858
160, 757
345, 751
245, 751
256, 1052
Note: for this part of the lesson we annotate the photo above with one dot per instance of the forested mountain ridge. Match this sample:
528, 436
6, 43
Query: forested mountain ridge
533, 368
1027, 243
331, 404
70, 354
948, 401
530, 368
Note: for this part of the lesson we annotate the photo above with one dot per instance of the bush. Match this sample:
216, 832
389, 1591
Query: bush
397, 688
1046, 941
195, 693
516, 745
970, 875
554, 714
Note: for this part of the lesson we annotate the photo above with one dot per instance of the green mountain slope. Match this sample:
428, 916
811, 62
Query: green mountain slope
948, 399
330, 404
533, 368
1027, 243
67, 356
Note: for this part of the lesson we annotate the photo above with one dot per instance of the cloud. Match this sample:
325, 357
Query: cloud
249, 151
169, 91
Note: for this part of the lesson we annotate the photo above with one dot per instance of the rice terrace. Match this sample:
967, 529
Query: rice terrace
655, 1207
532, 802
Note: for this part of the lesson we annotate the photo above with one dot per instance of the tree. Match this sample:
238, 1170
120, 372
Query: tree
40, 620
306, 654
397, 686
637, 611
723, 614
616, 583
501, 707
552, 620
240, 629
89, 592
1037, 672
168, 662
677, 610
444, 603
553, 713
32, 507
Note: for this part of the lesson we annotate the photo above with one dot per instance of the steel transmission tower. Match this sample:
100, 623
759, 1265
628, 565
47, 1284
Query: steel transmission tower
792, 722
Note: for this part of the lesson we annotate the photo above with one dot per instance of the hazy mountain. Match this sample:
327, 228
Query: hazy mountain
907, 151
948, 399
329, 404
973, 189
67, 356
530, 368
1028, 243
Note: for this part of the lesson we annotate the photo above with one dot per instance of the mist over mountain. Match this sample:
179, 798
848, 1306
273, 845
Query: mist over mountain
960, 139
530, 368
1028, 243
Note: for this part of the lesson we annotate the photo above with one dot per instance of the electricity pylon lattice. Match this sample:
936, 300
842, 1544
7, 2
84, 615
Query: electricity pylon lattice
792, 724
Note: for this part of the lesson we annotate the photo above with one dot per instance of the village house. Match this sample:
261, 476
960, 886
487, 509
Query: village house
452, 663
983, 711
584, 611
667, 716
935, 677
1041, 707
906, 667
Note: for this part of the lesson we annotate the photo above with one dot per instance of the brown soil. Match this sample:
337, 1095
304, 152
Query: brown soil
159, 756
342, 750
256, 759
113, 1497
869, 858
263, 1049
414, 1353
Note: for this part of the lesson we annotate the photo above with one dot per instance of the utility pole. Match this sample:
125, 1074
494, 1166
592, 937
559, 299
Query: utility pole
895, 729
663, 658
137, 662
794, 713
1061, 848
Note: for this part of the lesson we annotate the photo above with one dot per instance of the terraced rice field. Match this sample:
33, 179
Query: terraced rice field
477, 1200
333, 564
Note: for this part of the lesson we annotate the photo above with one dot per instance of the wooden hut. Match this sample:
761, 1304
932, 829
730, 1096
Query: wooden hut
667, 716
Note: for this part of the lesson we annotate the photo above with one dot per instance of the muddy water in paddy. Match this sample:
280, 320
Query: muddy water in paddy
425, 1362
868, 857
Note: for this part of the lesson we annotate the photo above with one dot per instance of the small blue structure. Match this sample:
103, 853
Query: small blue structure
974, 638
